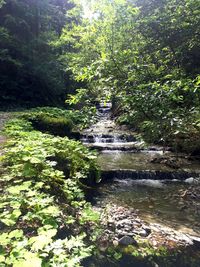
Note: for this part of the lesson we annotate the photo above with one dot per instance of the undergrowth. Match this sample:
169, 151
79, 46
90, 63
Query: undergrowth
60, 121
44, 218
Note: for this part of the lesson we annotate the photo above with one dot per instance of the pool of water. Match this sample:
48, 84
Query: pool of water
156, 201
115, 160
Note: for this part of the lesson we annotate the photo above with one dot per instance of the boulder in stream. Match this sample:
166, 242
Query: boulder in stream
127, 240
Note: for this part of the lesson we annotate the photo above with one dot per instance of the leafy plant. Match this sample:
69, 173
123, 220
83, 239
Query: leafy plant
42, 195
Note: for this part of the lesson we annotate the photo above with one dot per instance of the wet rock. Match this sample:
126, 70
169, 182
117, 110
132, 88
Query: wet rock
109, 232
154, 243
196, 241
172, 162
125, 222
110, 222
125, 233
122, 233
137, 220
115, 243
147, 229
141, 232
136, 225
186, 239
127, 240
190, 180
103, 245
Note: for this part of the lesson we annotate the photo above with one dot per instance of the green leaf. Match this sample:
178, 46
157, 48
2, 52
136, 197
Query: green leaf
89, 215
2, 259
35, 160
10, 219
50, 210
16, 234
17, 189
4, 240
30, 260
41, 241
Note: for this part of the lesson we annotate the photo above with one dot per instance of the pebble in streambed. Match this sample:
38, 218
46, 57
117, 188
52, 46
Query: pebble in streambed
123, 227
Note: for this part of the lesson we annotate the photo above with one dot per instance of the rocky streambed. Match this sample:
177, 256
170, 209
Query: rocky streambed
142, 207
148, 223
123, 227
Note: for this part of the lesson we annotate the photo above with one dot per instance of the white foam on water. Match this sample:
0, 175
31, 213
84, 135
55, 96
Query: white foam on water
142, 182
151, 183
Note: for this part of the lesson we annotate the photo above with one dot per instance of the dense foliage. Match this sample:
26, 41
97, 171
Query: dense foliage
59, 121
30, 70
145, 54
42, 199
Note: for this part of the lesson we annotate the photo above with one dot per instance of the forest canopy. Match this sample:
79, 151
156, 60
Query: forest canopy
145, 55
106, 44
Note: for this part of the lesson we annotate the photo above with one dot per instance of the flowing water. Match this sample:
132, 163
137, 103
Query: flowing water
131, 178
157, 201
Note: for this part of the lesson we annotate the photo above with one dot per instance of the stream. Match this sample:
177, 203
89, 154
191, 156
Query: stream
145, 179
156, 201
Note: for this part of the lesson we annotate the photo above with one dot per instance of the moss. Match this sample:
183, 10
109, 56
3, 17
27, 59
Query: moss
58, 126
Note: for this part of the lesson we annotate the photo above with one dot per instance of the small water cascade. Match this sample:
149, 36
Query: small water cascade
105, 136
123, 155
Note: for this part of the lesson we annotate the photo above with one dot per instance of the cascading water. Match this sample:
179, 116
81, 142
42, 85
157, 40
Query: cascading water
122, 154
131, 178
105, 136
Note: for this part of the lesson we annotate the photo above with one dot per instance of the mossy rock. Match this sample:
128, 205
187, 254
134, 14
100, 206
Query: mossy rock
60, 126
